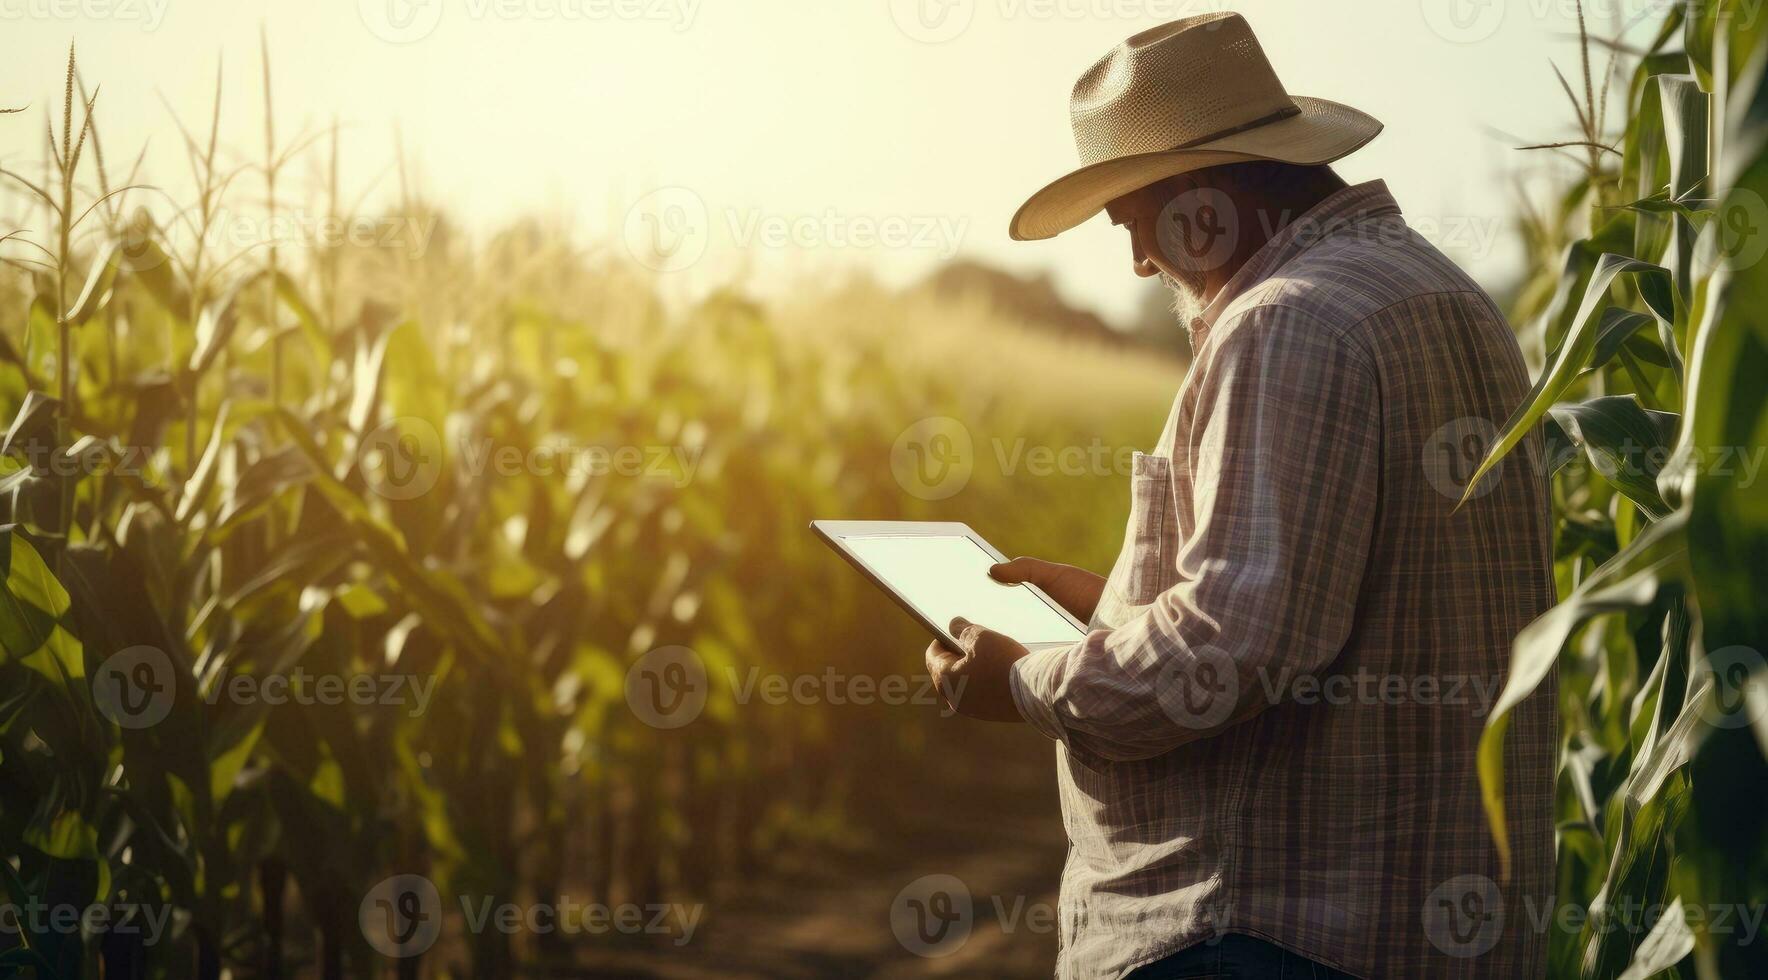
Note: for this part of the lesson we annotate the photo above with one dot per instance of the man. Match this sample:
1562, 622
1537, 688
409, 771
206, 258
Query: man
1266, 744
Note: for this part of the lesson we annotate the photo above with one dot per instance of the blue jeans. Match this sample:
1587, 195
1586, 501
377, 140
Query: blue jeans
1233, 958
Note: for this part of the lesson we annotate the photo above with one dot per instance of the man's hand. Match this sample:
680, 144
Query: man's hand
1076, 589
973, 679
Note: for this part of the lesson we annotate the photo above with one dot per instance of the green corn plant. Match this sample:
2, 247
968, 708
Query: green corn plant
259, 533
1651, 324
240, 422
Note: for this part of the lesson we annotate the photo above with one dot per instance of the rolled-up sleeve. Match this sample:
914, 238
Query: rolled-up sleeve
1280, 461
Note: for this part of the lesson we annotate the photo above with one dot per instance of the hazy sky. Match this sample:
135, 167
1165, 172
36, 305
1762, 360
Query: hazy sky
778, 137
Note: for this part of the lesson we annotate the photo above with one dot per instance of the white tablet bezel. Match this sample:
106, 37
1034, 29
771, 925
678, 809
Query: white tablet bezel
835, 534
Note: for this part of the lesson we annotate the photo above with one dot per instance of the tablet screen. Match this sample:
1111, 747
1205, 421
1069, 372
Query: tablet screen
944, 576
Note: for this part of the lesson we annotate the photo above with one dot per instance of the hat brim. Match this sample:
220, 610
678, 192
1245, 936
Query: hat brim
1322, 132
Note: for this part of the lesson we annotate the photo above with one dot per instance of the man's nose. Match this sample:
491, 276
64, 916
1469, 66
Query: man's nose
1145, 266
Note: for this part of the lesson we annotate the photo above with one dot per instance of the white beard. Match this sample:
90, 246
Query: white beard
1187, 299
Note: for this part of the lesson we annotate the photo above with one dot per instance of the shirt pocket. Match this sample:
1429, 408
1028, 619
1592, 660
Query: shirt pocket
1151, 528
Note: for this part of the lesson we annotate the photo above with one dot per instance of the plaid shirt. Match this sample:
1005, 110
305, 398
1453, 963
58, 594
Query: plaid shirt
1271, 727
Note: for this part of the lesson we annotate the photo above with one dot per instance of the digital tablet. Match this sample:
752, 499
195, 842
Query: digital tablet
938, 570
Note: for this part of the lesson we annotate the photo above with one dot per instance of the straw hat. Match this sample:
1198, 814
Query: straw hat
1194, 93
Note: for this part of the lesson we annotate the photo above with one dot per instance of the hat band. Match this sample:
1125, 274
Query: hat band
1278, 116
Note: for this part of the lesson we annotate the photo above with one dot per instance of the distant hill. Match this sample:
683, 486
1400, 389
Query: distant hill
1034, 300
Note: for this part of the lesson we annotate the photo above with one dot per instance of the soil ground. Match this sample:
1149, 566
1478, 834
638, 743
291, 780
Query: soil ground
995, 827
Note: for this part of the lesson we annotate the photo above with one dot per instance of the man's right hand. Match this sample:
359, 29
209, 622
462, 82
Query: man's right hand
1076, 589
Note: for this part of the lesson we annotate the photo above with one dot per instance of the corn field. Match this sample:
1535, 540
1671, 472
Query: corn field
288, 462
227, 469
1647, 301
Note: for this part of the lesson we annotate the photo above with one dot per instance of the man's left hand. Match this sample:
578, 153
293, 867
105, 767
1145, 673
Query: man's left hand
973, 679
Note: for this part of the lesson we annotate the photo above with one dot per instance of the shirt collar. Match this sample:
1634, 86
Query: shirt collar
1339, 209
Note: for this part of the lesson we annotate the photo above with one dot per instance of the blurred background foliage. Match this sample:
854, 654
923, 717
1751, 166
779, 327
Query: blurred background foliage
260, 459
273, 459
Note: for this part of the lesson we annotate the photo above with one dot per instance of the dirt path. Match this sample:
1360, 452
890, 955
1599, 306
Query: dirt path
998, 834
